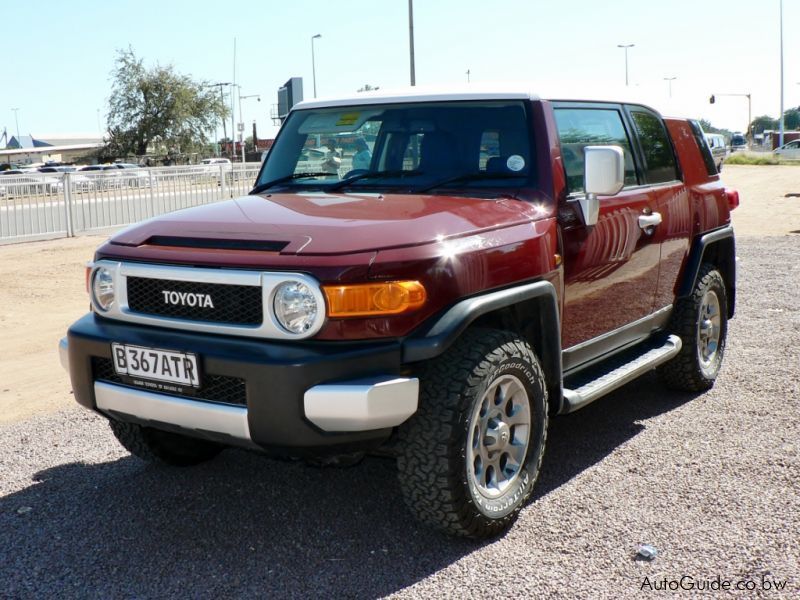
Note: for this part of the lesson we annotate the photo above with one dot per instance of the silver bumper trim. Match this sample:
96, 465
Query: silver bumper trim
362, 405
63, 353
267, 281
158, 408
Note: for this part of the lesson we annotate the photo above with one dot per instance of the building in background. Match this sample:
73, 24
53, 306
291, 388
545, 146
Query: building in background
27, 150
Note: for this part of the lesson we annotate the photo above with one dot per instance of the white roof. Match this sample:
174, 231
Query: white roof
426, 94
485, 91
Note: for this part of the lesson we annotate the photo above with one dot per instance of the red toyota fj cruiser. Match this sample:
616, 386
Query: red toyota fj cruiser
468, 265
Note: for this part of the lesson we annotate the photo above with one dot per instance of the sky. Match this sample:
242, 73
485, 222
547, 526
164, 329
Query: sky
58, 55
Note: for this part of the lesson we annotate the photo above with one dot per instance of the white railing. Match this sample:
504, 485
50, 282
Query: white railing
44, 205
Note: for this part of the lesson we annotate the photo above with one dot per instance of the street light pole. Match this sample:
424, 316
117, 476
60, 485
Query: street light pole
411, 41
780, 133
314, 63
467, 75
669, 81
222, 103
625, 47
241, 118
233, 109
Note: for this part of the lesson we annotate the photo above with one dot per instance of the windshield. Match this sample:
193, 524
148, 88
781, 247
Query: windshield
738, 140
414, 146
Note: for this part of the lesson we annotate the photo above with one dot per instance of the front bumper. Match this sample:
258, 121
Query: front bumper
314, 396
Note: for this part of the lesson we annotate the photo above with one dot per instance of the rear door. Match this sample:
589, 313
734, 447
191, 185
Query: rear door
669, 198
611, 268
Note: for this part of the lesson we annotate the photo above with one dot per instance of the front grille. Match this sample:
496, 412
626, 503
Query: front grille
234, 304
215, 388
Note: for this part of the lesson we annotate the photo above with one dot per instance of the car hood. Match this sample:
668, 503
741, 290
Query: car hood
322, 223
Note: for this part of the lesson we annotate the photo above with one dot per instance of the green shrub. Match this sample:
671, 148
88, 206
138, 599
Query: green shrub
751, 158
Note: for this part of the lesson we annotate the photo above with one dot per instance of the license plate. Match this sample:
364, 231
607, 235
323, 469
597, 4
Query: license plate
160, 365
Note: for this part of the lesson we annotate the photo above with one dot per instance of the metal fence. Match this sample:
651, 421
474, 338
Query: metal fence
45, 205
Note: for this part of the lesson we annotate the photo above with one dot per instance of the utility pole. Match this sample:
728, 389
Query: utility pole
467, 75
411, 40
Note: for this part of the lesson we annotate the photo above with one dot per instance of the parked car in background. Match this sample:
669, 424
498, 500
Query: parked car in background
790, 150
719, 150
216, 167
738, 142
118, 175
213, 165
134, 175
80, 183
16, 183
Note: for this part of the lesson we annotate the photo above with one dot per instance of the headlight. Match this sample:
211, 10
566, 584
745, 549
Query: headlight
295, 306
103, 288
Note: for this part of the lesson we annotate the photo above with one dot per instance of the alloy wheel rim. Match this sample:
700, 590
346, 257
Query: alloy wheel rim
499, 433
709, 330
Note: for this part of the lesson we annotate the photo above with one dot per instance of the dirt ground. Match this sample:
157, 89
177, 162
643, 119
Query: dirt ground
42, 290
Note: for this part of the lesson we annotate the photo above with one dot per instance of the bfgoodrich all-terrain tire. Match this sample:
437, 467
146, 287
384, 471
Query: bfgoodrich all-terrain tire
701, 321
153, 445
470, 455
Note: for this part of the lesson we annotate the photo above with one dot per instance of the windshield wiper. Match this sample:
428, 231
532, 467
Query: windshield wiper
370, 175
265, 186
467, 177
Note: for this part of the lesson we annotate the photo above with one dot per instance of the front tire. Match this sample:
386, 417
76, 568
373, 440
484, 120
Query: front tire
470, 455
701, 321
154, 445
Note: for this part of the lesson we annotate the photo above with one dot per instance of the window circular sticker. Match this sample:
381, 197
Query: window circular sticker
515, 163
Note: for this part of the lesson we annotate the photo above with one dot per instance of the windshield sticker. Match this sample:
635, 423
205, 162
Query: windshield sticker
515, 163
332, 122
347, 119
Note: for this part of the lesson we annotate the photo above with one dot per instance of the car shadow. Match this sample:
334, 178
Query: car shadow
243, 525
580, 440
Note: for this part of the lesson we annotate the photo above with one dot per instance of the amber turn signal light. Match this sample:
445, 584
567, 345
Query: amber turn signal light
374, 299
86, 278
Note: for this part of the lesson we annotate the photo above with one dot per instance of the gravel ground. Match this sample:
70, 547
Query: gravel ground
711, 481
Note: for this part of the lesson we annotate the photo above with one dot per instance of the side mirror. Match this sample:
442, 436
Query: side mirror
603, 175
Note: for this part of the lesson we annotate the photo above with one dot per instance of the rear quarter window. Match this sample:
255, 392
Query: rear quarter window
702, 145
659, 159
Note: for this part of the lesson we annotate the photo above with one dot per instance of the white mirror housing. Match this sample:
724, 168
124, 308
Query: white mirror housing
604, 170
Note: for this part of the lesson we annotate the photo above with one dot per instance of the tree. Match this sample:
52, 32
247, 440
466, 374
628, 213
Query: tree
709, 128
791, 118
158, 106
762, 123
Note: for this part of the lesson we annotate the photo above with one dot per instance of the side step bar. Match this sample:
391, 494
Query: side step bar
609, 380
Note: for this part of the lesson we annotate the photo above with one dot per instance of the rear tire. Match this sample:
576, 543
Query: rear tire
470, 455
701, 321
153, 445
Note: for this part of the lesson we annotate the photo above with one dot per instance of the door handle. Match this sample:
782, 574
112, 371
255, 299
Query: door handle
651, 220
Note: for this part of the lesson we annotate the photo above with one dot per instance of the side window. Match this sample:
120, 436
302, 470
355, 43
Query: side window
659, 159
581, 127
